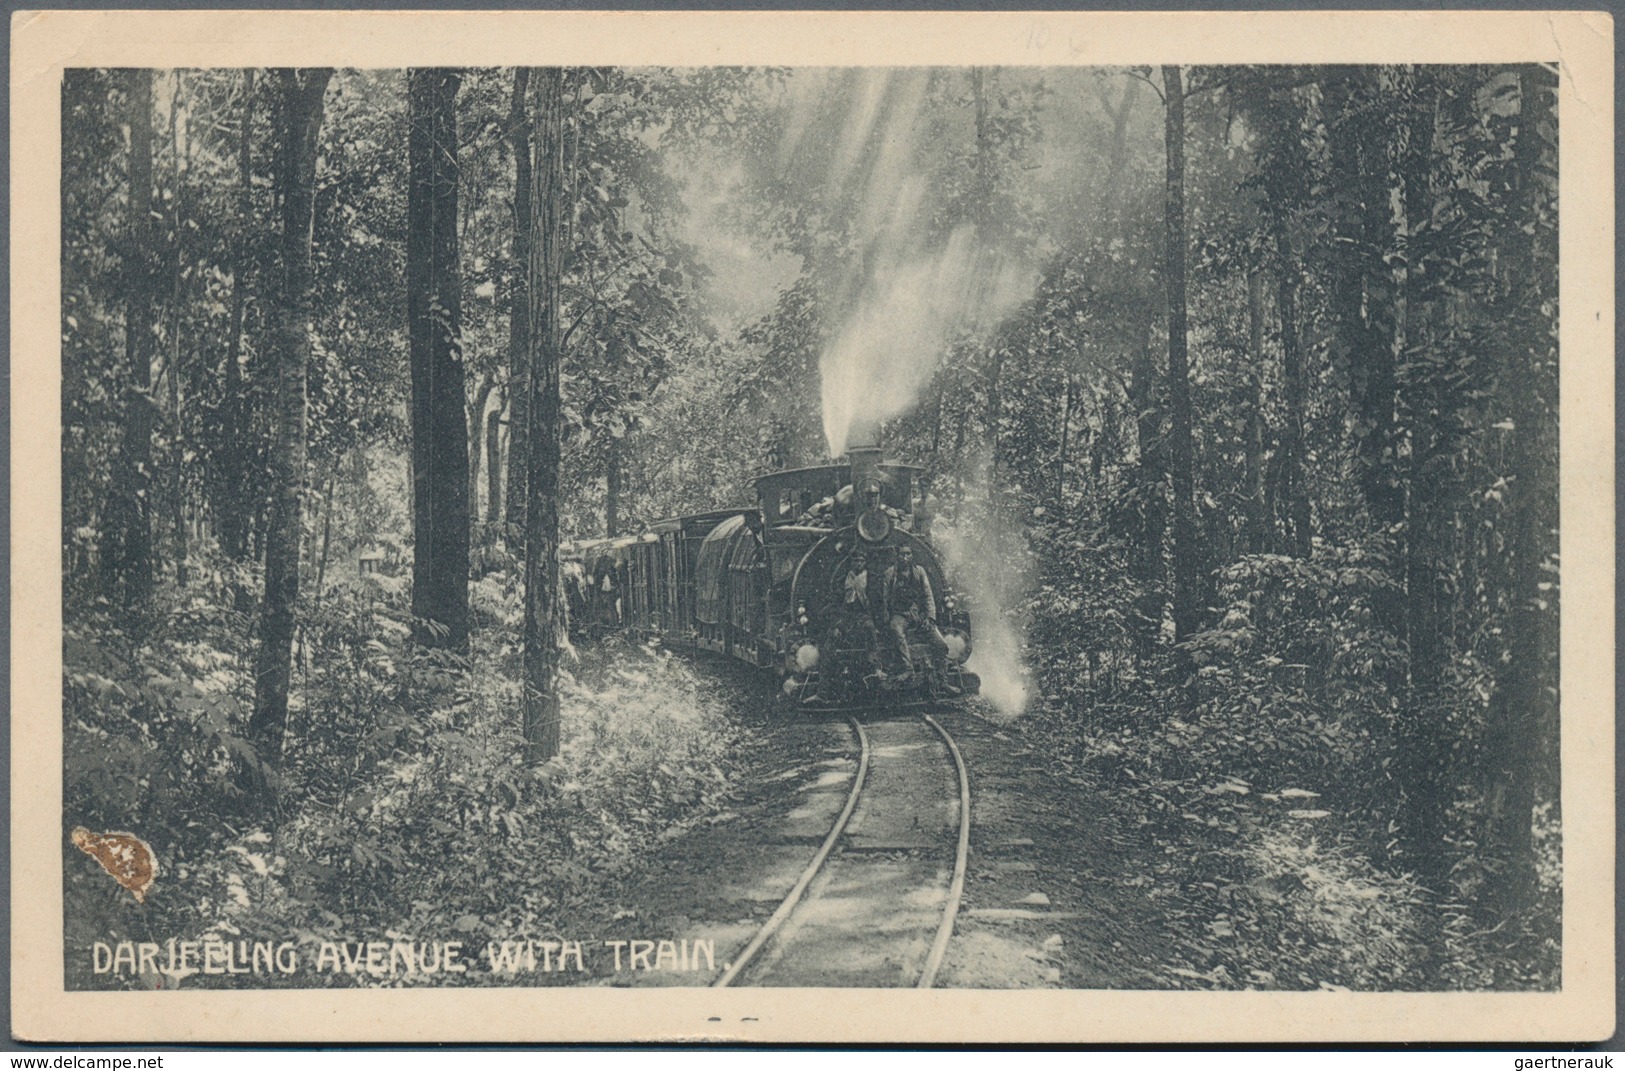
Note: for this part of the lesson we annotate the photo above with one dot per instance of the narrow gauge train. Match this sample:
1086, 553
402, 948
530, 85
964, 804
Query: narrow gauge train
805, 585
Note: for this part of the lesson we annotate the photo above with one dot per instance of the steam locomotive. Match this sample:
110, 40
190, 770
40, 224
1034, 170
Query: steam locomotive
829, 582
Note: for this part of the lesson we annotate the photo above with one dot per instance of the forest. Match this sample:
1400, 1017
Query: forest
1235, 389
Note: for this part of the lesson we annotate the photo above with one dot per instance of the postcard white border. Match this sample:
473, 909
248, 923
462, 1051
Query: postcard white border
1581, 43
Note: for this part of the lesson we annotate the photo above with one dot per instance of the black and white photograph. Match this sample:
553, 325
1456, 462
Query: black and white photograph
1046, 524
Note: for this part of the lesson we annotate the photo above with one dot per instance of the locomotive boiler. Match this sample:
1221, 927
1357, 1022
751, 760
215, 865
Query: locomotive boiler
829, 582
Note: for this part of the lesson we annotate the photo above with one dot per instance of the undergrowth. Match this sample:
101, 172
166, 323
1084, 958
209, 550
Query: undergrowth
406, 813
1258, 765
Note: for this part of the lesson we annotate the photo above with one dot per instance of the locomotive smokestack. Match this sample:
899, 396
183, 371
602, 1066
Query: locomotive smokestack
863, 434
863, 451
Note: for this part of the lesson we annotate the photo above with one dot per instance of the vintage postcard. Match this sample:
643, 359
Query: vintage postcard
812, 527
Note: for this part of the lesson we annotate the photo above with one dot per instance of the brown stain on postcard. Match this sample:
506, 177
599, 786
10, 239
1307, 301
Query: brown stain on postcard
124, 855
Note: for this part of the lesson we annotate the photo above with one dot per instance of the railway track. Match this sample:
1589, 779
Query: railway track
876, 904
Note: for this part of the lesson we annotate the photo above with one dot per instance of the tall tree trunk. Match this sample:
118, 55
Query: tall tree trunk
178, 433
1522, 714
612, 488
235, 503
327, 533
1119, 151
1150, 500
542, 604
1286, 165
1426, 558
984, 234
1294, 481
570, 83
1362, 292
1425, 767
301, 117
1363, 300
476, 441
129, 557
1186, 551
519, 309
1256, 537
439, 421
493, 469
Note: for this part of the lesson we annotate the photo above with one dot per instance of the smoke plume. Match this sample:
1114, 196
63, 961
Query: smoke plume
886, 350
908, 277
988, 560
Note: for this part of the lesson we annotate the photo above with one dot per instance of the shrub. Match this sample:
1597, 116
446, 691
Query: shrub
1297, 680
405, 806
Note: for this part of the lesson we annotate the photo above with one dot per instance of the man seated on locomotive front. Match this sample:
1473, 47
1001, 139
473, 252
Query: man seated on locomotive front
910, 601
854, 615
855, 588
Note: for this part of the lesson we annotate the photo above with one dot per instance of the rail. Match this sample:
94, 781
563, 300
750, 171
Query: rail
782, 912
956, 886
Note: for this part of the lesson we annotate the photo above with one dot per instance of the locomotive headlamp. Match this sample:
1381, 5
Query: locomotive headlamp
807, 656
873, 525
958, 645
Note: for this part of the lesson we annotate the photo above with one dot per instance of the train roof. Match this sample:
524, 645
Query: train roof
836, 469
586, 546
579, 548
810, 470
689, 520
